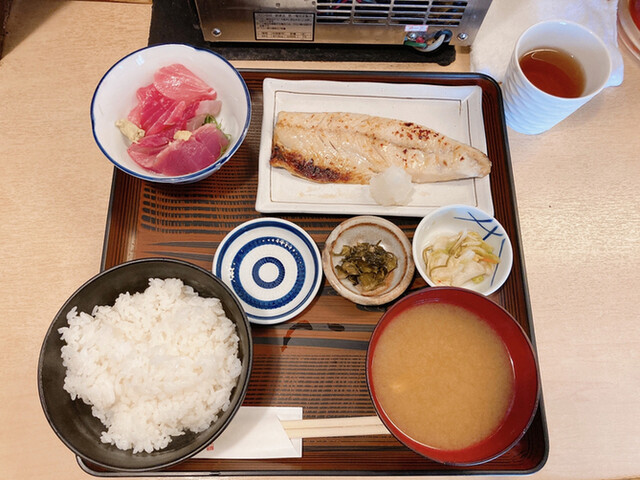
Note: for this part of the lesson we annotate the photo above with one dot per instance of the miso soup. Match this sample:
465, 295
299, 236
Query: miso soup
442, 376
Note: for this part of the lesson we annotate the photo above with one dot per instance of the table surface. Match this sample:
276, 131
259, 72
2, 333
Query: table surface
579, 209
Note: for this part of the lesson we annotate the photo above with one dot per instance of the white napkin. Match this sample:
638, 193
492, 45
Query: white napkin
507, 19
256, 432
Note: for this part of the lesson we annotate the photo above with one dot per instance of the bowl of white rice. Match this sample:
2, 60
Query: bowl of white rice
145, 365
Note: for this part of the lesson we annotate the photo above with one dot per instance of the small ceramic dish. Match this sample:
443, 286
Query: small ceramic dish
115, 96
453, 219
272, 265
369, 229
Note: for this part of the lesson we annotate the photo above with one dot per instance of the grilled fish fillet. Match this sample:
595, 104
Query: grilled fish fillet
338, 147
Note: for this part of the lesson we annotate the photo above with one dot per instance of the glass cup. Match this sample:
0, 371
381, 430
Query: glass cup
530, 110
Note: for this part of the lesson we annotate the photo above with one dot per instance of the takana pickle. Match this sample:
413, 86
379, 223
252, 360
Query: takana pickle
365, 265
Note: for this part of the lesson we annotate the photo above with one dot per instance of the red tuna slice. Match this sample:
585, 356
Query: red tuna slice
168, 120
145, 152
179, 83
182, 157
151, 105
212, 138
156, 113
173, 119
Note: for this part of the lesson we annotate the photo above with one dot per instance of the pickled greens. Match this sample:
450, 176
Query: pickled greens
365, 265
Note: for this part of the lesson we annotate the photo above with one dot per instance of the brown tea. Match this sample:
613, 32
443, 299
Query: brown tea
554, 71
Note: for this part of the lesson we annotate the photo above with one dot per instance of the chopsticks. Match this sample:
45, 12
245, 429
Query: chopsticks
334, 427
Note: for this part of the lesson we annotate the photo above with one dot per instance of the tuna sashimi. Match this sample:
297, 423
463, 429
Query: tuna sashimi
155, 113
151, 104
180, 157
173, 119
145, 151
179, 83
176, 102
212, 138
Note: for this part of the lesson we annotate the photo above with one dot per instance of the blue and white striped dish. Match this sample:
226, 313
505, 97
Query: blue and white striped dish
272, 265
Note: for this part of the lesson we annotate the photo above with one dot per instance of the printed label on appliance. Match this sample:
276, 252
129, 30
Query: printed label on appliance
416, 28
282, 26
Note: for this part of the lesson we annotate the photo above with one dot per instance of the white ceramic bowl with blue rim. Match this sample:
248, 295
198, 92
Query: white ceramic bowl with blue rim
451, 219
272, 265
115, 96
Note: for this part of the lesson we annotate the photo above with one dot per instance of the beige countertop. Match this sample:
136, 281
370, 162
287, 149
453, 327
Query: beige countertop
578, 195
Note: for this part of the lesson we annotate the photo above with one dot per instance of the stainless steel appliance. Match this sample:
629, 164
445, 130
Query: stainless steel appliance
422, 24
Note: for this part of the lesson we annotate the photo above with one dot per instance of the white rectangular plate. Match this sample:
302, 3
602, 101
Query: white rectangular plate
453, 111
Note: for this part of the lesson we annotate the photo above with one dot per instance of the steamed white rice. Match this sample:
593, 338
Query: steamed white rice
153, 365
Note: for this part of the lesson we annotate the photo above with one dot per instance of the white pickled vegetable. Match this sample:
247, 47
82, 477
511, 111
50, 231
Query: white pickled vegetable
458, 259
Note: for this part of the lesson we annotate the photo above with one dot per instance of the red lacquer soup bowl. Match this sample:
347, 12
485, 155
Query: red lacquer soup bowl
524, 385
